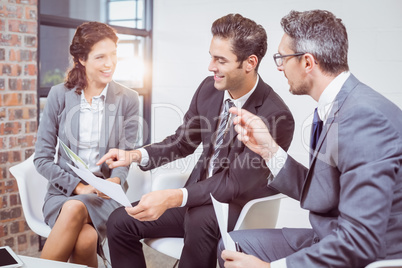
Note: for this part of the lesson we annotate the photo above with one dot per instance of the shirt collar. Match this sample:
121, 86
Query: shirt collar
242, 100
329, 94
102, 96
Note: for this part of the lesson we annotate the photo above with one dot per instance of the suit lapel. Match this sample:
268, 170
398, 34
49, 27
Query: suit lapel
112, 104
350, 83
212, 115
254, 101
73, 102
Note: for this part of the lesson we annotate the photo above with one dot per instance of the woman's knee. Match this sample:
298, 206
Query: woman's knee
74, 210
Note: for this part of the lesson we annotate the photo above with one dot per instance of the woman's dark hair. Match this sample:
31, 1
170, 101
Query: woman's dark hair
85, 37
247, 37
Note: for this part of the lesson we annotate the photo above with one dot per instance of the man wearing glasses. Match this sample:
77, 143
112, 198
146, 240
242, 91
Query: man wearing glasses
353, 186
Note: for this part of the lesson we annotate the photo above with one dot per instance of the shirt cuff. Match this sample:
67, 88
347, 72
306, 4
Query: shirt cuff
185, 197
276, 163
281, 263
144, 157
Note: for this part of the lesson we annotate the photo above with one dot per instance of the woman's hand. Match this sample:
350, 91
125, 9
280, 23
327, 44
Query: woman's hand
89, 189
84, 189
114, 180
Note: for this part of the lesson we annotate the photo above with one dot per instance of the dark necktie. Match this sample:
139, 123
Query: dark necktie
221, 133
316, 129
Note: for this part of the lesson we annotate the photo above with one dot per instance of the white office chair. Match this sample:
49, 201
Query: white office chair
171, 246
32, 189
257, 213
386, 264
139, 183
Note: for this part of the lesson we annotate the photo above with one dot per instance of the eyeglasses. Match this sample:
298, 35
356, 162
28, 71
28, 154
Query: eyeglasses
278, 58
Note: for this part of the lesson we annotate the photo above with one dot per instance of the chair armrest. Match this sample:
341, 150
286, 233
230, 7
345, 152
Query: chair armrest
385, 264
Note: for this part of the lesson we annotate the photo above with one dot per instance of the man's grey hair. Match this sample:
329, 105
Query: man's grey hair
321, 34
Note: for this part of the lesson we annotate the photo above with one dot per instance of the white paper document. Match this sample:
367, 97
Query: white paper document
222, 214
111, 189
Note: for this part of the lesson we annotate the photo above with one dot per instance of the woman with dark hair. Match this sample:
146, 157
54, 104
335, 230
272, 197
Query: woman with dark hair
90, 113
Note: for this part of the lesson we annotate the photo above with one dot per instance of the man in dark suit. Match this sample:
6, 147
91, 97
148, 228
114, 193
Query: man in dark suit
353, 186
227, 169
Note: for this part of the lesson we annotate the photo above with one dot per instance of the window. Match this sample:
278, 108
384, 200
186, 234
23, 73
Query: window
132, 19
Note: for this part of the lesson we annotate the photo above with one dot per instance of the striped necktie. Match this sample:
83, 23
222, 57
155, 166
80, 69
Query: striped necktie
221, 134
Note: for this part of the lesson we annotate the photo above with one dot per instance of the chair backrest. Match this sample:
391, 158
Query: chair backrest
170, 180
139, 183
32, 189
260, 213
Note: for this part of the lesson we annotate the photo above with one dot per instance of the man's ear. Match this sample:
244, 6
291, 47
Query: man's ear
309, 62
251, 63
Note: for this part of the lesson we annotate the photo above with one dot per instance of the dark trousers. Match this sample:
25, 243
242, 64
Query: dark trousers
269, 244
198, 226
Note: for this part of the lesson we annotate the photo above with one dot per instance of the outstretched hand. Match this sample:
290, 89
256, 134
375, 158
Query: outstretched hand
253, 132
120, 158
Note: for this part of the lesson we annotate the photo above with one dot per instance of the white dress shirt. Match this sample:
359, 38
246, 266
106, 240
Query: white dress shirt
91, 116
325, 104
238, 103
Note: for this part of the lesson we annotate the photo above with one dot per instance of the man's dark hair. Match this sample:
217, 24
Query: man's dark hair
247, 37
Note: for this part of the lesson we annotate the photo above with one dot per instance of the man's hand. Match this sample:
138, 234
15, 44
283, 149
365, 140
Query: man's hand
152, 205
254, 133
241, 260
120, 158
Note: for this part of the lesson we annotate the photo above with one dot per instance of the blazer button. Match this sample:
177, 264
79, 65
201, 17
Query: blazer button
65, 191
61, 187
57, 185
316, 240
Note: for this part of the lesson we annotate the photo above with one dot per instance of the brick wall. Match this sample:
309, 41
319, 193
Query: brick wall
18, 112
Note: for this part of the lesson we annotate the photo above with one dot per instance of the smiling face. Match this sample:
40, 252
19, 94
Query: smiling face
229, 74
101, 63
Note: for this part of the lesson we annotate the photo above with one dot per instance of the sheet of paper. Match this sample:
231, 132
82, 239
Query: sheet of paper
113, 190
222, 214
75, 158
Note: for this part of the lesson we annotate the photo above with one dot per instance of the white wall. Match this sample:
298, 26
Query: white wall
181, 44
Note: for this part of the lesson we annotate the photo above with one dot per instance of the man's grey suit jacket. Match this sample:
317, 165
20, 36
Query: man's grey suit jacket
353, 187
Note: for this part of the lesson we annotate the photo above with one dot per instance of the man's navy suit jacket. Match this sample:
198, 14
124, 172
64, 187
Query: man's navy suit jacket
243, 174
